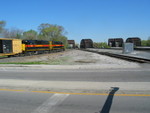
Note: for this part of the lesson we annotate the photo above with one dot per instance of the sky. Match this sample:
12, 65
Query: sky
98, 20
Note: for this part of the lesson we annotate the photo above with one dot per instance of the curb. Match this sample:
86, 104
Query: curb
104, 66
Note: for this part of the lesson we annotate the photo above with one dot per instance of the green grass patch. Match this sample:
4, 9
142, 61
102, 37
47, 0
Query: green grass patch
3, 56
31, 63
57, 61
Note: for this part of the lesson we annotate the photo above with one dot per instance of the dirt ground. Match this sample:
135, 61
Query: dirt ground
70, 57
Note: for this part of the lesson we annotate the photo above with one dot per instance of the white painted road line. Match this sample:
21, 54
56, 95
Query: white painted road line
51, 104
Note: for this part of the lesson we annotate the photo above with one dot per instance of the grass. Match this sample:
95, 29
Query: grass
31, 63
59, 61
3, 56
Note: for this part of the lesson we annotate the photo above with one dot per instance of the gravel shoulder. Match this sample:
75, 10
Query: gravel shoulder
72, 58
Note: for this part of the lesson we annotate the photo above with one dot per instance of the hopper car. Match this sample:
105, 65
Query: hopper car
115, 42
135, 40
86, 43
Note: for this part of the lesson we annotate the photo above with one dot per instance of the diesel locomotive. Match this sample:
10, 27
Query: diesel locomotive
18, 47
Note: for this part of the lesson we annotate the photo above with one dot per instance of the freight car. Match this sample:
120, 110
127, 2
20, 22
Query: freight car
71, 44
86, 43
135, 40
11, 47
115, 42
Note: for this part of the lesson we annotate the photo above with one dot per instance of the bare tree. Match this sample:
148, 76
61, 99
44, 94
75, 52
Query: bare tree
13, 33
2, 25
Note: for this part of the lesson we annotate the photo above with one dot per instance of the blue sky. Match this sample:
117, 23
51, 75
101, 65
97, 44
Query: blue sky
95, 19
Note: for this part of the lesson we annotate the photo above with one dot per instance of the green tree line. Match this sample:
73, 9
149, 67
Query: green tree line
146, 42
46, 31
100, 45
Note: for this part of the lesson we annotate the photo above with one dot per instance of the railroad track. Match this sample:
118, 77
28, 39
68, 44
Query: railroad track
124, 57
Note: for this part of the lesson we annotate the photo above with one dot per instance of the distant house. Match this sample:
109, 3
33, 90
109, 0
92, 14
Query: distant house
71, 44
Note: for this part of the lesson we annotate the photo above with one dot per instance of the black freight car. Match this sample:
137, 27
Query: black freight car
118, 42
115, 42
86, 43
135, 40
111, 42
71, 44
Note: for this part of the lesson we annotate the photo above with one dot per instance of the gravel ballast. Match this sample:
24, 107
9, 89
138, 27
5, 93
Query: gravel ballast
74, 59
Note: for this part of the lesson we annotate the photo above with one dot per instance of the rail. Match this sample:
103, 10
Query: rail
124, 57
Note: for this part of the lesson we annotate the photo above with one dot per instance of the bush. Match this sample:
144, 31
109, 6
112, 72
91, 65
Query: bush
100, 45
145, 43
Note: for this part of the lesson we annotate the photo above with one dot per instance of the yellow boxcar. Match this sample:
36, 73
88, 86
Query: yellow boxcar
10, 47
17, 46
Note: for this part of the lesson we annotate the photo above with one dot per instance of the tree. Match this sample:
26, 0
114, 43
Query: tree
51, 32
64, 40
146, 42
100, 45
2, 25
31, 35
13, 33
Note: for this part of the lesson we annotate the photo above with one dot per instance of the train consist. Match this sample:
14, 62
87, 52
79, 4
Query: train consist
112, 42
118, 42
12, 47
86, 43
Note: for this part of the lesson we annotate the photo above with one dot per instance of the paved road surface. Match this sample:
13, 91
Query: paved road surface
29, 102
104, 75
131, 93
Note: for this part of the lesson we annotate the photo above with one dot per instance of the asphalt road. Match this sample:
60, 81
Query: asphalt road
31, 102
107, 75
130, 94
